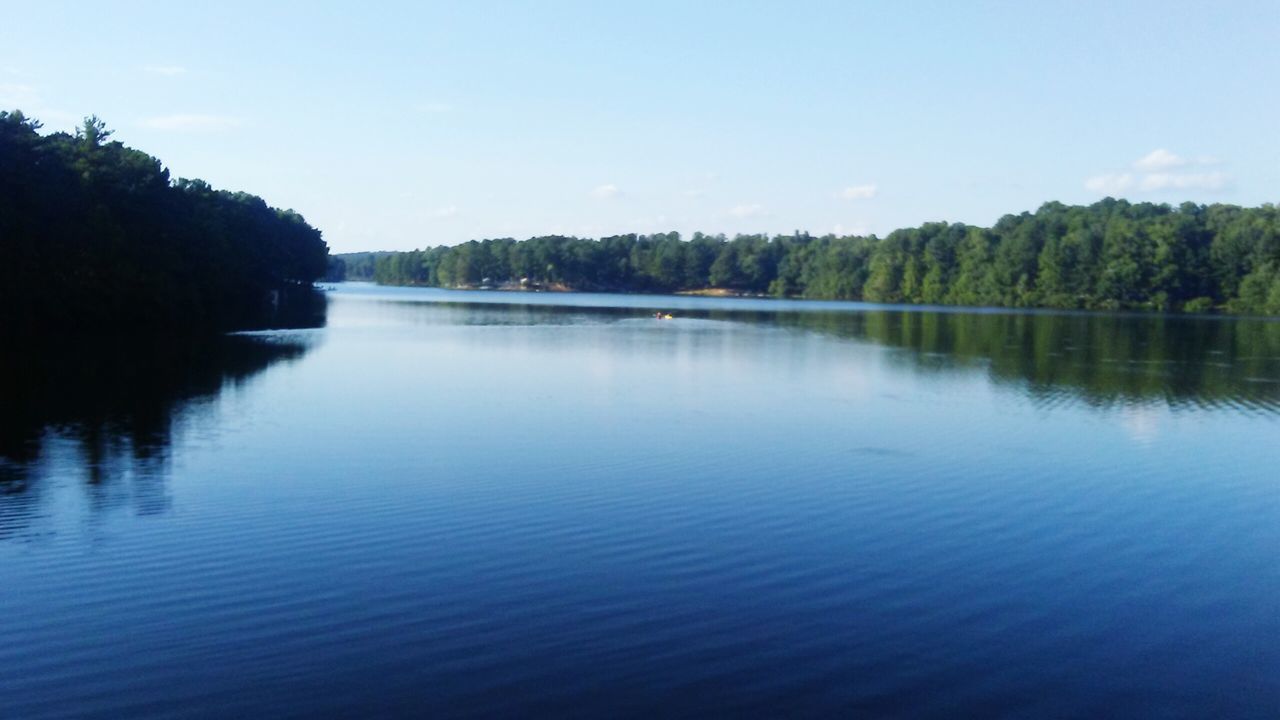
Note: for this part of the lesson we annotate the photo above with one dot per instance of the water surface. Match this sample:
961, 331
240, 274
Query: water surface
467, 504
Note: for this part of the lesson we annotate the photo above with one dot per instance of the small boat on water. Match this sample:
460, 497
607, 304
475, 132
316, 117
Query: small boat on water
663, 316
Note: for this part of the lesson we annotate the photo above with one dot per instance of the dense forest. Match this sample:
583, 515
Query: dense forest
96, 235
353, 266
1110, 255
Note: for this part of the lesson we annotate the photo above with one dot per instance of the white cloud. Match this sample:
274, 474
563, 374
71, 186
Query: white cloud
859, 192
746, 210
446, 211
1109, 183
1162, 170
17, 95
653, 223
166, 70
841, 229
604, 192
1159, 159
191, 122
1183, 181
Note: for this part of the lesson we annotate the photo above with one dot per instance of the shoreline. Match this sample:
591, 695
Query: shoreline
726, 294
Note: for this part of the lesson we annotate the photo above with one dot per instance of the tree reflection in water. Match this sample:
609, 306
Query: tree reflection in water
111, 407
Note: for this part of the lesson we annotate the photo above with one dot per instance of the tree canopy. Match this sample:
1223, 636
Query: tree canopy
1110, 255
94, 234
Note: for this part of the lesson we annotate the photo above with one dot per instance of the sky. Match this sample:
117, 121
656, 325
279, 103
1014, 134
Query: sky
402, 125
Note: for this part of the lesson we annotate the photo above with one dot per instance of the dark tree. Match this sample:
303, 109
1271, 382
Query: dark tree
96, 235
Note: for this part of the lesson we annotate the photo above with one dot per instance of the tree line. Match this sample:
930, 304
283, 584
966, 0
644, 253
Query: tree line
1112, 254
353, 266
94, 234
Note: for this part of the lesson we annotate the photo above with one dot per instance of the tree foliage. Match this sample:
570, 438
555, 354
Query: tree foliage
1110, 255
95, 234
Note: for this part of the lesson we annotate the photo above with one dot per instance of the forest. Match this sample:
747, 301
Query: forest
96, 235
1110, 255
353, 266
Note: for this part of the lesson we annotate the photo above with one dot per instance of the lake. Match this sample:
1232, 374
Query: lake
448, 503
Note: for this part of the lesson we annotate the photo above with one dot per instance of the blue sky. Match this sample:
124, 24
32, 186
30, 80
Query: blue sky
414, 124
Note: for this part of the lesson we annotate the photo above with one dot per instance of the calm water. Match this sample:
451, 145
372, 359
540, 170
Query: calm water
467, 504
